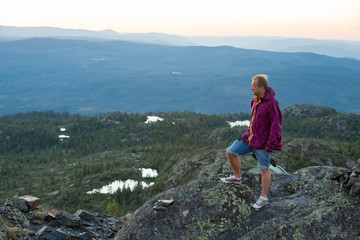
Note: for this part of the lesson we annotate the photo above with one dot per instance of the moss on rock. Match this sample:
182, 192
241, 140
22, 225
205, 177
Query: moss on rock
13, 223
209, 209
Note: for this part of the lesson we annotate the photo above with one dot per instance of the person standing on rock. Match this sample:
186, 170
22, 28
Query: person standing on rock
262, 137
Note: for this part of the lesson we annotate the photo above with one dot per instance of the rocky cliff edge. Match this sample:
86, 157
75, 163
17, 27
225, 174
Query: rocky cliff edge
313, 203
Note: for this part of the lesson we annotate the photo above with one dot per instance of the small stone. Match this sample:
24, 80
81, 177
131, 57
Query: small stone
165, 203
86, 215
335, 176
158, 204
353, 174
356, 169
50, 233
111, 235
159, 208
349, 163
355, 189
359, 161
168, 203
48, 217
343, 180
9, 202
84, 236
124, 219
185, 213
352, 180
332, 202
67, 219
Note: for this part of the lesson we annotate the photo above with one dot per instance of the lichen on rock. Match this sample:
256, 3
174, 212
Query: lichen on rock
299, 209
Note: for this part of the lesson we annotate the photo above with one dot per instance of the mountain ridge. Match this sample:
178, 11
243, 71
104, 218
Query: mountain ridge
18, 33
46, 74
330, 47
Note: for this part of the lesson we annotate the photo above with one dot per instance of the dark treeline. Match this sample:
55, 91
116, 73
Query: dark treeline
39, 131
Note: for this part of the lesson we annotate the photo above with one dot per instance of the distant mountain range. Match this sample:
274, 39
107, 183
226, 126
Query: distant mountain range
17, 33
330, 47
92, 77
334, 48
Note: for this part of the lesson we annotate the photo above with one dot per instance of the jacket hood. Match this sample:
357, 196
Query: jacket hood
269, 94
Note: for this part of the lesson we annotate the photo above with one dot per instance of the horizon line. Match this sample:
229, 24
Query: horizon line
170, 34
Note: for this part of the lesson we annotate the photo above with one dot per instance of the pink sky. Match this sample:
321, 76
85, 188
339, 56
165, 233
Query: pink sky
324, 19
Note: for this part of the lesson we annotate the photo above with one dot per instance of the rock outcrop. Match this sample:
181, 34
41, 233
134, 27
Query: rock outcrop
350, 178
313, 203
20, 218
303, 205
307, 111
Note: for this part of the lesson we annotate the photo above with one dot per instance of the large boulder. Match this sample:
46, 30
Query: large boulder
304, 205
64, 218
24, 203
86, 215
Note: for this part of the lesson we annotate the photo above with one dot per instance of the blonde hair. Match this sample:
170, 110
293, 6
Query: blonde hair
262, 80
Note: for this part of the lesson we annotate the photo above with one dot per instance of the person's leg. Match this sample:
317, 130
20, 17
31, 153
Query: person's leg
233, 152
235, 164
265, 181
263, 158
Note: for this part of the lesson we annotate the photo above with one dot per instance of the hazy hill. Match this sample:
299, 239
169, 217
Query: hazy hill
92, 77
330, 47
16, 33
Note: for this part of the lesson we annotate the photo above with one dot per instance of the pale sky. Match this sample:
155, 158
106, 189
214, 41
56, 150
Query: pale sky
323, 19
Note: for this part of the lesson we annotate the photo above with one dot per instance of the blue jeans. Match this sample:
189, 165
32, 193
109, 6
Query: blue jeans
241, 148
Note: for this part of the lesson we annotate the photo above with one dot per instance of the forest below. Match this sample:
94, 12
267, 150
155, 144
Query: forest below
100, 149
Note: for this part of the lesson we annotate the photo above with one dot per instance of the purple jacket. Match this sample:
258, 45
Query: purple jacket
265, 125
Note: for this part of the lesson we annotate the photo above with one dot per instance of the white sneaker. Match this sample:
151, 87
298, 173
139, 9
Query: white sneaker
260, 203
232, 179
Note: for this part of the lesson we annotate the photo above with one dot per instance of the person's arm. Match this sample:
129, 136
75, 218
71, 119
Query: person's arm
275, 117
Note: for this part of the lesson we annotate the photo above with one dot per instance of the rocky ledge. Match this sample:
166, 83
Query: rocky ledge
304, 205
313, 203
21, 218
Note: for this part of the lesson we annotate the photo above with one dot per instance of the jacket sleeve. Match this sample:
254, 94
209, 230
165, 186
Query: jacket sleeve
245, 136
274, 142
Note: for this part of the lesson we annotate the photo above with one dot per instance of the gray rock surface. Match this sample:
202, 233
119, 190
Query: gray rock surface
308, 111
51, 233
303, 205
